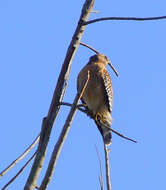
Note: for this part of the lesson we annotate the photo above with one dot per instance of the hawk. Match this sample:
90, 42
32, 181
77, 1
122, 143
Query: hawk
98, 94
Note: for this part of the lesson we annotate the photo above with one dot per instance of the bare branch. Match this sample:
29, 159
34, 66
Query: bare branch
101, 183
57, 97
108, 179
20, 157
78, 107
119, 134
62, 137
91, 48
101, 173
113, 68
19, 172
125, 18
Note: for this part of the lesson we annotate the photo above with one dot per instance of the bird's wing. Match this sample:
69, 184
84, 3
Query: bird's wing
107, 89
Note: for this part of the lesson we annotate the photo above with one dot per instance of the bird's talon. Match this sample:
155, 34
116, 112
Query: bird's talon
98, 117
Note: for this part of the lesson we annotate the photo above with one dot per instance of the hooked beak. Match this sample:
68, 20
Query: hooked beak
113, 68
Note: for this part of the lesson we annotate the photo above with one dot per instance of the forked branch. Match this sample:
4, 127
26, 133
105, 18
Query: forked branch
57, 97
62, 137
20, 157
19, 172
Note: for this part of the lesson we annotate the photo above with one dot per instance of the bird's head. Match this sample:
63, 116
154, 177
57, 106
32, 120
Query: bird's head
103, 60
99, 58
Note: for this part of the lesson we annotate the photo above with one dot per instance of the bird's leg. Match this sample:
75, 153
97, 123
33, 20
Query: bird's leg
89, 113
86, 109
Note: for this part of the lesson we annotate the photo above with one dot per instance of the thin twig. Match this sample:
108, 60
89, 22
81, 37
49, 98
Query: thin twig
113, 68
91, 48
57, 97
101, 183
62, 137
125, 18
119, 134
107, 166
20, 157
19, 172
78, 107
101, 173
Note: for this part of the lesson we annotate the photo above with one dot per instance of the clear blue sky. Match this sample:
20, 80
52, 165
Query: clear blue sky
34, 36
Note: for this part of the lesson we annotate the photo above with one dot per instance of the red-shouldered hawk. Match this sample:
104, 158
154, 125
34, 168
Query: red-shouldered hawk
98, 94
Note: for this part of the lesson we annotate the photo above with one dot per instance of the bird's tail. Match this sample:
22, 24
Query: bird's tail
105, 130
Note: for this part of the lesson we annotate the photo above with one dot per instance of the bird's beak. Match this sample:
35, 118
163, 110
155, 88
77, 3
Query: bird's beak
113, 68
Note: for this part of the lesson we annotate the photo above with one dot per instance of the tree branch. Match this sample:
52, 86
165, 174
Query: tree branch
62, 137
20, 157
125, 18
78, 107
58, 95
101, 173
124, 137
108, 179
113, 68
19, 172
91, 48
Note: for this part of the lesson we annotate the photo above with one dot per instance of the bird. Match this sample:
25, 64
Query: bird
98, 94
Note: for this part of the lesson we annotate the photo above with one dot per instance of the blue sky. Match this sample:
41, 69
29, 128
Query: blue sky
34, 37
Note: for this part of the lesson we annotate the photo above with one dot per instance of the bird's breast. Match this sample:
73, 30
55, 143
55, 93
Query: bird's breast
93, 95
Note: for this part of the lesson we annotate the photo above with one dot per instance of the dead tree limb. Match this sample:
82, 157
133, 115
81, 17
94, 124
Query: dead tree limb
62, 137
57, 97
20, 157
107, 166
124, 18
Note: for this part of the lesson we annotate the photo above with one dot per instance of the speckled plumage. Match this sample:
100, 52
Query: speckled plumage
98, 94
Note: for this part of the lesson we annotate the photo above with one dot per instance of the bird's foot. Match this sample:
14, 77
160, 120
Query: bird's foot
86, 110
98, 117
